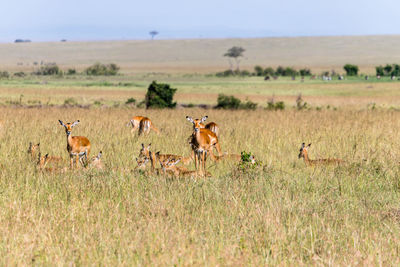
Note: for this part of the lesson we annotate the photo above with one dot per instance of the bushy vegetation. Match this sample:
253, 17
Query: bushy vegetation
231, 102
268, 71
351, 70
160, 95
49, 69
272, 105
388, 70
99, 69
4, 74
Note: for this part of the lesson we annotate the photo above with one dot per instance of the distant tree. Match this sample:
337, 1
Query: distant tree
235, 52
379, 71
388, 69
269, 71
152, 34
351, 70
305, 72
259, 71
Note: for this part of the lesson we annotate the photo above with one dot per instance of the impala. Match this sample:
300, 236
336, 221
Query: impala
212, 126
202, 143
144, 125
34, 149
77, 146
309, 162
145, 152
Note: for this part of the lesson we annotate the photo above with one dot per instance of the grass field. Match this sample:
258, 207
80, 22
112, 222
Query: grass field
279, 213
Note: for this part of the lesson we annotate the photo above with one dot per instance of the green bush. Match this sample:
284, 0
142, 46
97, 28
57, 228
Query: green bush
351, 70
228, 102
258, 70
269, 71
280, 105
160, 95
19, 74
305, 72
71, 72
379, 71
248, 105
102, 69
51, 69
4, 75
130, 101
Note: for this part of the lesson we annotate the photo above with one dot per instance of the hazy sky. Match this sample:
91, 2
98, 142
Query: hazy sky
52, 20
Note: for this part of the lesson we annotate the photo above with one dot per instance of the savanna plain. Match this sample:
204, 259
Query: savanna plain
280, 212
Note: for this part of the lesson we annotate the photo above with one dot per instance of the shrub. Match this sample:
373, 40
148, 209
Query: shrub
228, 102
71, 71
130, 101
4, 75
19, 74
70, 101
160, 95
269, 71
225, 73
351, 70
248, 105
259, 71
102, 69
379, 71
300, 103
305, 72
271, 105
50, 69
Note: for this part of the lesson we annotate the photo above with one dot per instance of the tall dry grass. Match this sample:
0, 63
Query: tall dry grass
281, 213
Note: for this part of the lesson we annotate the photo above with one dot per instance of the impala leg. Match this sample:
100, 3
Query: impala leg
77, 161
218, 148
71, 162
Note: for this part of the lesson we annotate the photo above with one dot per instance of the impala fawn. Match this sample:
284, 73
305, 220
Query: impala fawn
33, 150
212, 126
144, 125
44, 160
171, 168
145, 152
77, 146
309, 162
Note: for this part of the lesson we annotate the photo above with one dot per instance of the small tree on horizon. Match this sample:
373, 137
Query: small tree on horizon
152, 34
351, 70
235, 52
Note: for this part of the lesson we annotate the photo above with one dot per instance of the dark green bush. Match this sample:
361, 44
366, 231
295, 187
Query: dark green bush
228, 102
102, 69
130, 101
19, 74
351, 70
160, 95
379, 71
248, 105
71, 71
305, 72
50, 69
280, 105
258, 70
4, 75
269, 71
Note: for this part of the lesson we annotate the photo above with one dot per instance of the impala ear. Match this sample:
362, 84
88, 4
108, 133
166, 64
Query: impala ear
38, 144
75, 123
99, 155
61, 123
148, 147
142, 146
309, 145
189, 119
302, 145
204, 118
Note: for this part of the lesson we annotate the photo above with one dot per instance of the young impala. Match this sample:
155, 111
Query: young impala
212, 126
311, 162
144, 125
77, 146
145, 152
33, 150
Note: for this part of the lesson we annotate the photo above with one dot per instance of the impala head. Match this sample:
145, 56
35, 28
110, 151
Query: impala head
42, 160
197, 122
142, 162
145, 151
303, 150
167, 164
33, 148
99, 155
68, 126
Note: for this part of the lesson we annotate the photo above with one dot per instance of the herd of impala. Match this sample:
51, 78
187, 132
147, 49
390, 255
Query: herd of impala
202, 142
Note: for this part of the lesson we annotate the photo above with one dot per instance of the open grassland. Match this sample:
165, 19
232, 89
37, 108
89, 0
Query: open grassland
206, 55
280, 213
199, 89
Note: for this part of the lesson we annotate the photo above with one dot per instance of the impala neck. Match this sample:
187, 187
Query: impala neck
306, 159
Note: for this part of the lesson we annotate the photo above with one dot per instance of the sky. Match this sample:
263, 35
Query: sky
82, 20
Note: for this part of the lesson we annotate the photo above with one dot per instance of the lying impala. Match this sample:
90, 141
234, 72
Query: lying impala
309, 162
144, 125
33, 150
77, 146
145, 152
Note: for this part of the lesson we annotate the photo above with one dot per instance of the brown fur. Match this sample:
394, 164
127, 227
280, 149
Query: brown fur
309, 162
33, 150
76, 145
155, 157
212, 126
143, 124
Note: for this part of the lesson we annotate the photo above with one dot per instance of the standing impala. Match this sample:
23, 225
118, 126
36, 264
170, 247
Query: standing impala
212, 126
202, 143
144, 125
76, 145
